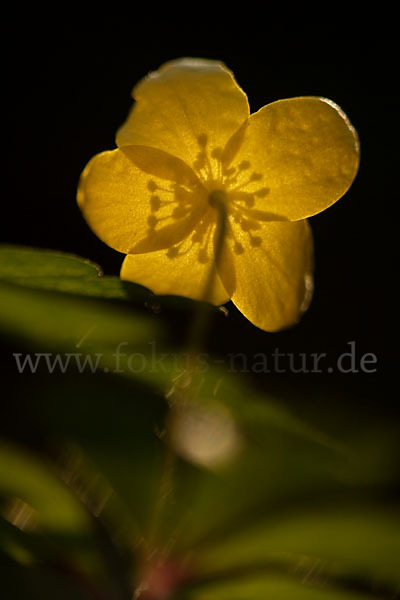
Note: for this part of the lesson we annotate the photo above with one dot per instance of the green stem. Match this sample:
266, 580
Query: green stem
197, 333
179, 395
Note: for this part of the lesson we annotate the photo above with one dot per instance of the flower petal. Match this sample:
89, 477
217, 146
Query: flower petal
185, 107
132, 210
295, 157
271, 282
184, 270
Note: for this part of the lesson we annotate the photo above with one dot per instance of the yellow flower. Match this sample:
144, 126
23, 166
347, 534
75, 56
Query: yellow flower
189, 156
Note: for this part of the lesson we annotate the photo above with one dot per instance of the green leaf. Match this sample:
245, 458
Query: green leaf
54, 319
44, 522
48, 303
328, 543
49, 270
268, 586
24, 477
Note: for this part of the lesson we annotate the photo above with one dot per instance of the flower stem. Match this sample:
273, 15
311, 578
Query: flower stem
182, 392
199, 327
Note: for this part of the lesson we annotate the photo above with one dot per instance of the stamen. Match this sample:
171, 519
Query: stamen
253, 177
152, 186
155, 203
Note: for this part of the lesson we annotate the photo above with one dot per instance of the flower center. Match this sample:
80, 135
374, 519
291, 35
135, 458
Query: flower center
217, 199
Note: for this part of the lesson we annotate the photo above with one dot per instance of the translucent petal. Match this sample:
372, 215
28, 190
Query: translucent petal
143, 209
269, 273
188, 108
295, 157
183, 270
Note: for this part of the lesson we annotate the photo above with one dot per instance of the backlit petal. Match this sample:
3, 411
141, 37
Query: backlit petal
269, 273
188, 108
295, 157
183, 270
143, 209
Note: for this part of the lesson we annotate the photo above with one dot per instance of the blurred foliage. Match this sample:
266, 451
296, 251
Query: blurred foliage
257, 503
47, 270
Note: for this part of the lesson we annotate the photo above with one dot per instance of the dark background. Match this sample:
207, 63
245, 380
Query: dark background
70, 91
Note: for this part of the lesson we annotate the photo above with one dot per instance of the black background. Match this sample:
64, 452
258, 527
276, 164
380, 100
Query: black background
70, 91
